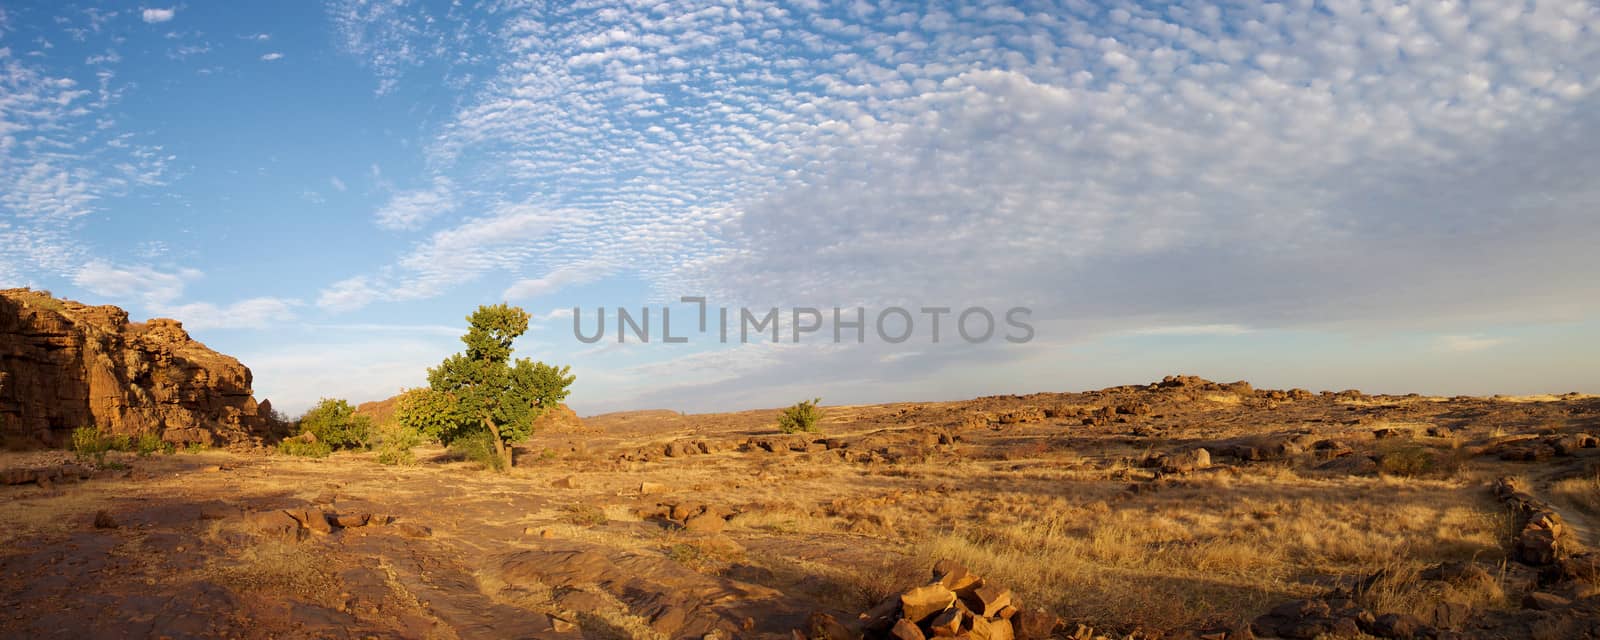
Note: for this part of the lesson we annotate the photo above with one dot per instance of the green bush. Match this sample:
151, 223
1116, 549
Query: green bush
88, 443
335, 423
801, 418
480, 447
150, 443
305, 449
395, 443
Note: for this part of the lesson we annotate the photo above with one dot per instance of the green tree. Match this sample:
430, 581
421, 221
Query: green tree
335, 422
800, 418
482, 390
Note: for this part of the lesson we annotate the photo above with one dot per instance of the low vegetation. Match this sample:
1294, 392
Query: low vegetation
802, 417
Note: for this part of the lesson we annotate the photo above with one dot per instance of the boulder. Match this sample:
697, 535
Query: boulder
276, 523
922, 602
1035, 624
906, 630
988, 600
313, 520
103, 520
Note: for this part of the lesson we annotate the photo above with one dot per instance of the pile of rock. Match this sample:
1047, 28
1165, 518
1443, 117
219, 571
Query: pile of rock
1542, 538
691, 516
1529, 448
295, 524
955, 604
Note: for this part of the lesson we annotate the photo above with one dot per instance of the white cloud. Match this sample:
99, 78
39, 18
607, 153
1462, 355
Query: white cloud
253, 313
338, 185
503, 240
142, 283
410, 209
554, 281
1192, 330
1466, 343
157, 16
269, 57
1209, 162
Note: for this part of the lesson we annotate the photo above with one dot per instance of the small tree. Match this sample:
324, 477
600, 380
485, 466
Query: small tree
336, 423
483, 391
801, 418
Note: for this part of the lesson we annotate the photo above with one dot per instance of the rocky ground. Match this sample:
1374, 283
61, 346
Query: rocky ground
1178, 509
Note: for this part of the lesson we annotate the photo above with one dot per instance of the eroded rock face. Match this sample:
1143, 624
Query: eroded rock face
65, 365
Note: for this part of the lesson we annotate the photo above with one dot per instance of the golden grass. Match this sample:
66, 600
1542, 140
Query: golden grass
1215, 550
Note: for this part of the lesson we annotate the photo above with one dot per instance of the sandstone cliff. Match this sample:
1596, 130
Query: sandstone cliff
65, 365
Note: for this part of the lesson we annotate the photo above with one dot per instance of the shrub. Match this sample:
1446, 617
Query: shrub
304, 448
88, 443
801, 418
480, 447
335, 424
150, 443
585, 515
395, 443
1411, 460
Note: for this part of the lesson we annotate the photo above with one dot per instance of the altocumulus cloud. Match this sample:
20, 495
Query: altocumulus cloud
157, 16
1207, 165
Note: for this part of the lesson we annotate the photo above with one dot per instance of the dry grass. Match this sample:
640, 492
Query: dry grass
1581, 493
1215, 550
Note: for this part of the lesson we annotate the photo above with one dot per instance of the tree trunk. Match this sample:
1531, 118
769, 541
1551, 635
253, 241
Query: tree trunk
500, 448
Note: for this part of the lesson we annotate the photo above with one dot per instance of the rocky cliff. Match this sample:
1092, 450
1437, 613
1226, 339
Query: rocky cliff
65, 365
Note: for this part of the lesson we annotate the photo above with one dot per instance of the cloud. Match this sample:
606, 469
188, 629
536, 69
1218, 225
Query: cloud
1192, 330
1194, 169
142, 283
554, 281
338, 185
157, 16
61, 155
1466, 343
269, 57
253, 313
408, 210
500, 241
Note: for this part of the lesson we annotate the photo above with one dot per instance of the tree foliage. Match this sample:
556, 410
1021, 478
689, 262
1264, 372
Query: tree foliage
335, 422
801, 418
482, 390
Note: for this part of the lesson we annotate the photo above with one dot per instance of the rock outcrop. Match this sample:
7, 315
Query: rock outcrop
65, 365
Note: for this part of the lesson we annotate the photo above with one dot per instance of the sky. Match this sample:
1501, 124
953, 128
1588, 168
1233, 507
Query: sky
1380, 195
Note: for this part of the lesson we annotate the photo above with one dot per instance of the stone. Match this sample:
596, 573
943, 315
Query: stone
561, 625
906, 630
651, 488
1035, 624
705, 523
273, 523
1449, 614
349, 520
314, 521
821, 626
569, 482
947, 624
1400, 626
988, 600
1544, 601
954, 576
103, 520
922, 602
412, 530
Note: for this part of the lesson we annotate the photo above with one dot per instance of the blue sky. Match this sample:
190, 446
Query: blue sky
1376, 195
